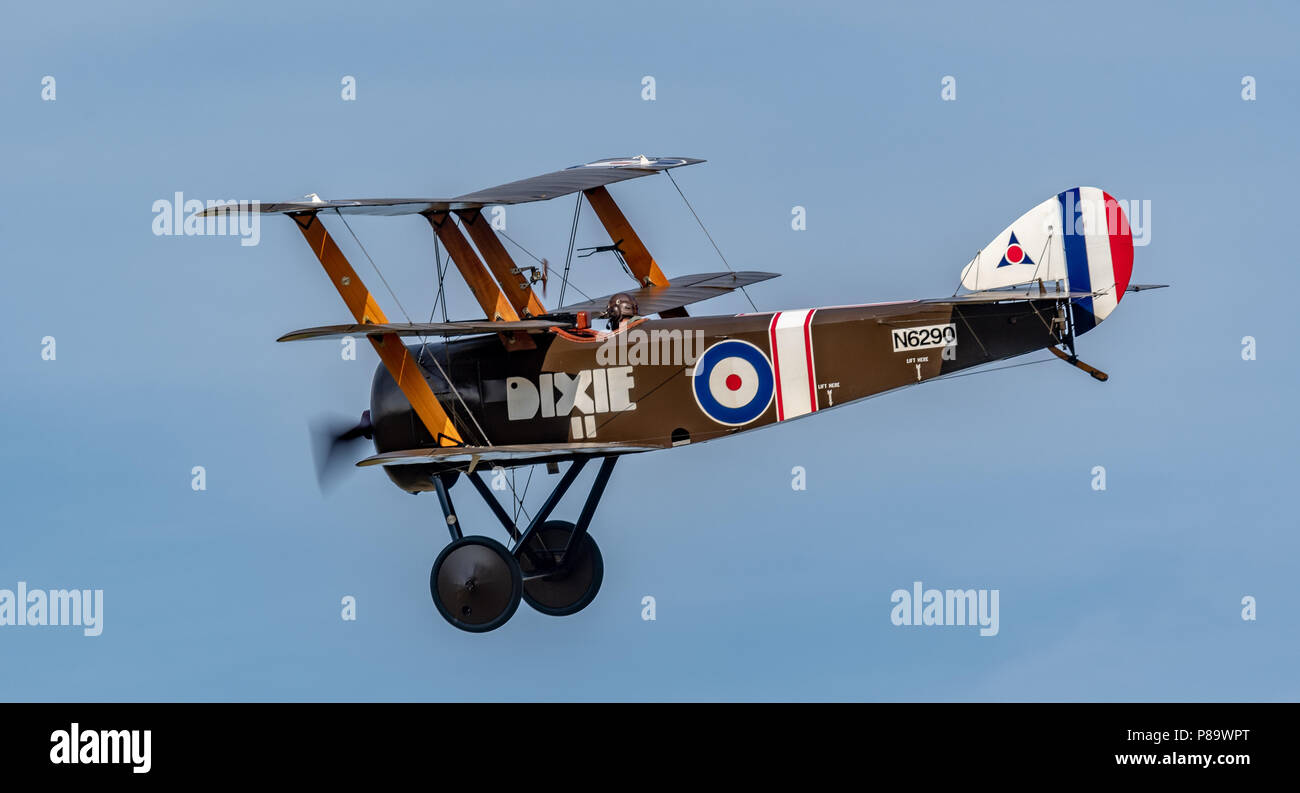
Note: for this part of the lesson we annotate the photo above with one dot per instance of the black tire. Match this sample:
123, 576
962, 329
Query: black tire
570, 588
476, 584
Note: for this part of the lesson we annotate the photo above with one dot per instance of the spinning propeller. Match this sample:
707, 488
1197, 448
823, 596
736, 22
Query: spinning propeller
331, 438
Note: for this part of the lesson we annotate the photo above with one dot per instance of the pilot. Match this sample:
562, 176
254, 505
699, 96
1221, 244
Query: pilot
622, 307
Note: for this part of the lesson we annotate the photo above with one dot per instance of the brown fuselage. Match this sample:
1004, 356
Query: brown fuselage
645, 391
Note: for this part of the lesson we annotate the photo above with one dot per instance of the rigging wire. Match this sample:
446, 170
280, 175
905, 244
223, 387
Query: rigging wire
519, 499
454, 390
440, 267
447, 378
710, 236
528, 483
423, 337
564, 279
568, 257
973, 260
372, 264
955, 375
503, 233
1043, 265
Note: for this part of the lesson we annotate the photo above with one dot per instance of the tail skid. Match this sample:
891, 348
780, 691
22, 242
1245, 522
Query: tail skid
1072, 357
1074, 361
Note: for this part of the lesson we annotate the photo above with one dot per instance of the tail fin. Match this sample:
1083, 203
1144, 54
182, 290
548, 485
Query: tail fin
1080, 236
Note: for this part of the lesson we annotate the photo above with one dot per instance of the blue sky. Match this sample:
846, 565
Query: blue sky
166, 356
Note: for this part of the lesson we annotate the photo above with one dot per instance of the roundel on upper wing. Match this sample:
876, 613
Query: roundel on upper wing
733, 382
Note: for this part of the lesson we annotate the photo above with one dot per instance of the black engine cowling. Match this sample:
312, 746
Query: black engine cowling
396, 427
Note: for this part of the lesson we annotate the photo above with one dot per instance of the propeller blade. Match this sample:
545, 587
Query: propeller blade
331, 439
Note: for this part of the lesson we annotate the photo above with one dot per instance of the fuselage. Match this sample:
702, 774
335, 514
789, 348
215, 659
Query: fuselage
669, 382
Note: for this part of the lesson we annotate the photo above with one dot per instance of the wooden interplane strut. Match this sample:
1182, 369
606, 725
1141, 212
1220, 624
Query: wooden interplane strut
480, 281
639, 260
396, 357
515, 285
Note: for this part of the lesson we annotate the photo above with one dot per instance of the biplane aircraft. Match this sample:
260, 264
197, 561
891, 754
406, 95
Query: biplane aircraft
530, 385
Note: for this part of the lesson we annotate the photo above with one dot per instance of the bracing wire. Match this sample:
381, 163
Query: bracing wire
519, 499
568, 257
372, 264
564, 279
710, 236
517, 245
447, 378
955, 375
423, 338
1043, 265
440, 267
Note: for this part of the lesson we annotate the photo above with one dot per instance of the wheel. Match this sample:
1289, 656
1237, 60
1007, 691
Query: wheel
567, 589
476, 584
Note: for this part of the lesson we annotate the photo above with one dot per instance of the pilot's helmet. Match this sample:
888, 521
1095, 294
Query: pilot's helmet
621, 306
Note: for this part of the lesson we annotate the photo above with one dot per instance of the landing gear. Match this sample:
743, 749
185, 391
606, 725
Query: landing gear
561, 577
476, 584
554, 565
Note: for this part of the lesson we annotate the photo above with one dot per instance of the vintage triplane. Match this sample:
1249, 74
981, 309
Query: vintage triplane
633, 372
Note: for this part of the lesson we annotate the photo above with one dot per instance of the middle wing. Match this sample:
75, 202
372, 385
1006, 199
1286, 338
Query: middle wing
683, 291
425, 328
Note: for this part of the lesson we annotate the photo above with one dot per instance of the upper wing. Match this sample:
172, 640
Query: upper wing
683, 291
537, 188
347, 206
573, 179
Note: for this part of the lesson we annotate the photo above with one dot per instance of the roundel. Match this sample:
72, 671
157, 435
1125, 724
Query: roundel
733, 382
1015, 254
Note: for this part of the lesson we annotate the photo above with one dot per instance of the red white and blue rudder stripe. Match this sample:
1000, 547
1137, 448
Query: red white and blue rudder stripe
1080, 237
1098, 247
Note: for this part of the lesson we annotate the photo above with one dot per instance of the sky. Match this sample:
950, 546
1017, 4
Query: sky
165, 356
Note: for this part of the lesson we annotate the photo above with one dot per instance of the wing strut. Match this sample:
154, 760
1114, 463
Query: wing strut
639, 260
398, 360
485, 289
514, 284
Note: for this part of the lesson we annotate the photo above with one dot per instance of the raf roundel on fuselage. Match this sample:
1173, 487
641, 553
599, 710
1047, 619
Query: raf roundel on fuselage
733, 382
